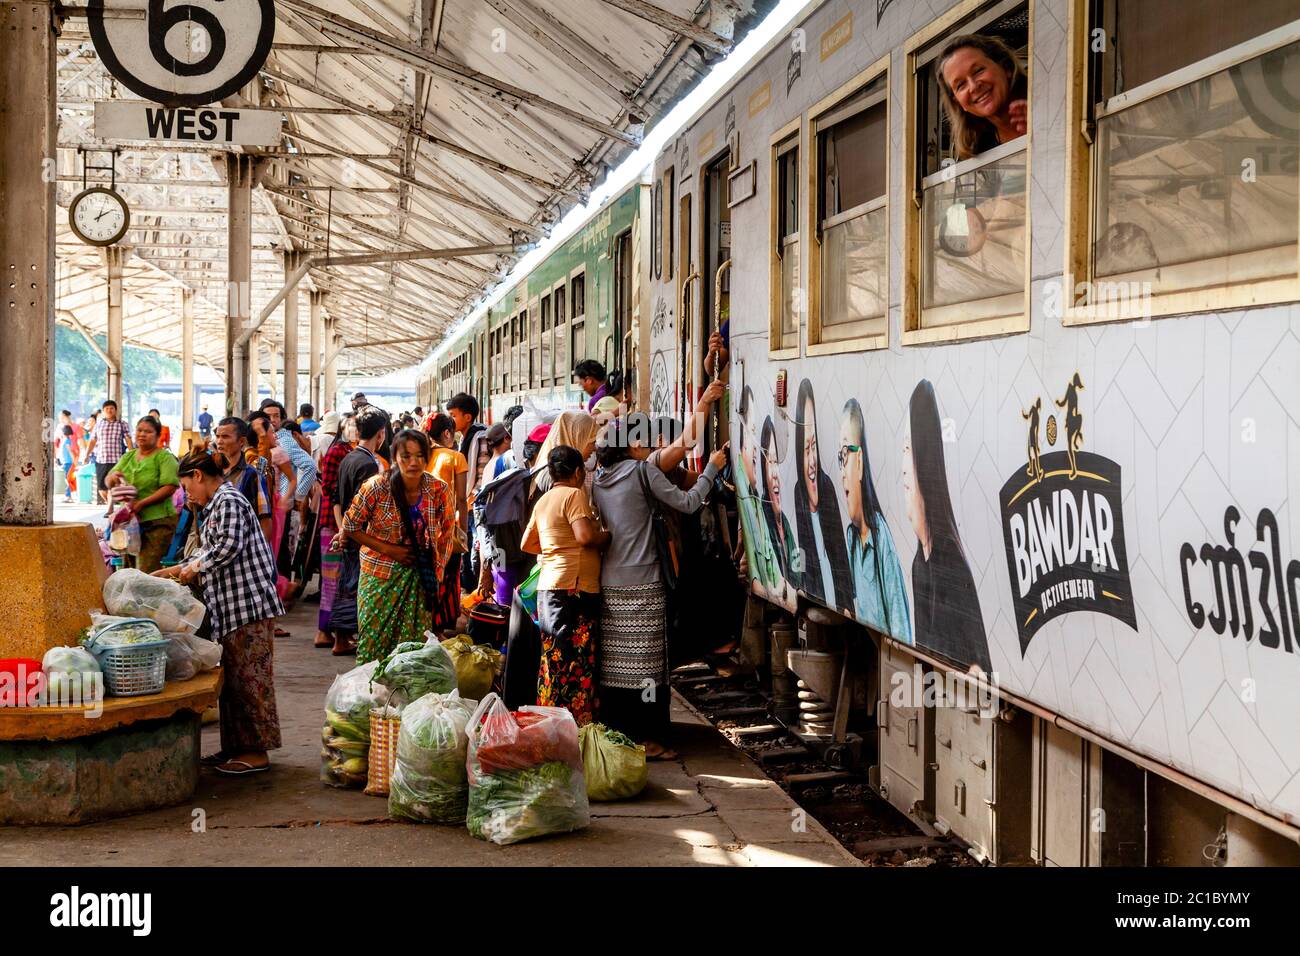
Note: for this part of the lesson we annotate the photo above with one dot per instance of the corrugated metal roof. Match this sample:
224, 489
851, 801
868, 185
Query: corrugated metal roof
413, 125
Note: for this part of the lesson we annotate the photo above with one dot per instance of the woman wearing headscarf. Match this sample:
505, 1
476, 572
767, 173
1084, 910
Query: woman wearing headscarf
825, 558
879, 597
948, 616
573, 429
405, 522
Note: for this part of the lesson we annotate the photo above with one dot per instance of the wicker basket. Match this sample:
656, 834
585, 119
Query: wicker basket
383, 753
134, 670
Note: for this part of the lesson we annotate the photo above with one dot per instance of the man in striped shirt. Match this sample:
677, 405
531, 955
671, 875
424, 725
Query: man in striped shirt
109, 443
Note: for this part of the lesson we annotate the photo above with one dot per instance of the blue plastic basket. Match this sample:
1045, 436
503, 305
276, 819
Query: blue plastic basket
131, 670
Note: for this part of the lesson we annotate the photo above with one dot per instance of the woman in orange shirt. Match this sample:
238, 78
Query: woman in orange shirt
564, 531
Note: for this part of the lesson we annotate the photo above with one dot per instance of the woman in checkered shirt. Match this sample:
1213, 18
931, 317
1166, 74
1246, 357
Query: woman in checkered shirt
235, 567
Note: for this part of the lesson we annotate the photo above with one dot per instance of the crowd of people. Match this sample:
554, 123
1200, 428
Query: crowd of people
558, 550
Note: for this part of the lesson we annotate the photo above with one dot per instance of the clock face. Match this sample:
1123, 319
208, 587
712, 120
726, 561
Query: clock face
99, 216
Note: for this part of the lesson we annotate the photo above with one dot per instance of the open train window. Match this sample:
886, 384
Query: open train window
666, 228
786, 308
848, 213
547, 353
534, 345
561, 357
578, 338
966, 173
1184, 157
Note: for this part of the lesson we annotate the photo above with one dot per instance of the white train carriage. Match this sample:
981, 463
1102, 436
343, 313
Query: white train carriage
1027, 417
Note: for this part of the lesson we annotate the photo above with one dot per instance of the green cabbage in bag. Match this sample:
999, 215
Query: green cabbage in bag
613, 763
429, 783
413, 670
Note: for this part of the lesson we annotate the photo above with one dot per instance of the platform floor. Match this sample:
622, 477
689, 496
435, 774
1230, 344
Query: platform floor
711, 807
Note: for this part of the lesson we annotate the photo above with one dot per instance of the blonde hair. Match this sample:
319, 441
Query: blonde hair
968, 130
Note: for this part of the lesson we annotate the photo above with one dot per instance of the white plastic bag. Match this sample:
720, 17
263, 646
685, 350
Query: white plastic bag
525, 773
188, 655
71, 675
428, 783
169, 604
345, 736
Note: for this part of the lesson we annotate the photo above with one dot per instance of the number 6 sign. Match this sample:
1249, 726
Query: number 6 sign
184, 54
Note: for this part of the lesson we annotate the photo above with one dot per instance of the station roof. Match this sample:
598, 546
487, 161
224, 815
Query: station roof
408, 125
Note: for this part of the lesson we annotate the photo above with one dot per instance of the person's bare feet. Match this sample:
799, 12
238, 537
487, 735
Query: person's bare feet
657, 751
323, 640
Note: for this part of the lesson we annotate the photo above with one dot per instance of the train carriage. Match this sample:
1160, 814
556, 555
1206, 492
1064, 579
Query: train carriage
1018, 409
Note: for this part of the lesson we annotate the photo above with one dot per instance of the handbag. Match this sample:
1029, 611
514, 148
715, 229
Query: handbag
668, 564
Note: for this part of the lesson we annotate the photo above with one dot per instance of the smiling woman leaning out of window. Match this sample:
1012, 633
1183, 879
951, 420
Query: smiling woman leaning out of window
985, 93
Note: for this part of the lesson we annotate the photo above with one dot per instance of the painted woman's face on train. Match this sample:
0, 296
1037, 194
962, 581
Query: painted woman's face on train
979, 85
811, 463
851, 468
912, 499
773, 480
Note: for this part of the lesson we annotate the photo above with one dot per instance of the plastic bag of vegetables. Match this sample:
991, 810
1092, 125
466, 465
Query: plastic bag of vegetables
613, 763
169, 604
72, 675
107, 630
413, 669
477, 665
525, 773
429, 783
188, 655
345, 738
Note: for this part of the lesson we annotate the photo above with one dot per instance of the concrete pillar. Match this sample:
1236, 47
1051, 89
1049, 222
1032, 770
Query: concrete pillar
54, 571
315, 340
290, 260
330, 398
27, 207
114, 259
240, 174
188, 420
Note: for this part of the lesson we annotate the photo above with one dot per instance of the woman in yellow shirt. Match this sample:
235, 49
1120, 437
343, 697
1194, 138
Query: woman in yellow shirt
564, 531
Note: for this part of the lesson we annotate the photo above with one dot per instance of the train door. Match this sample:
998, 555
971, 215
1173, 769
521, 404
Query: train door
614, 353
686, 275
715, 277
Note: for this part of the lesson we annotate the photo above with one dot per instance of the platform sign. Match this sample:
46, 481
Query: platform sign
182, 54
125, 120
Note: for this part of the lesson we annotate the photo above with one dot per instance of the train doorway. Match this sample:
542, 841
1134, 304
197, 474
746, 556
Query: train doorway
715, 280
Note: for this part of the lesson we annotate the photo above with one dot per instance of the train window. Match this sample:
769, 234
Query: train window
579, 297
561, 358
547, 336
1185, 164
967, 172
656, 229
848, 260
534, 345
786, 307
578, 305
666, 227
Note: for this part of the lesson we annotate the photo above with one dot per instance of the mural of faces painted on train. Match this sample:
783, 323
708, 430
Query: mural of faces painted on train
948, 617
779, 530
879, 594
826, 577
764, 566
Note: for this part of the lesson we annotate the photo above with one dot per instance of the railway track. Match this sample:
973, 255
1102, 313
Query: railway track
840, 800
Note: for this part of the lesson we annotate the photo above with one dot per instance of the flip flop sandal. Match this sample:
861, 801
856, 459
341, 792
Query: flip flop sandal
227, 768
281, 632
350, 649
663, 755
213, 760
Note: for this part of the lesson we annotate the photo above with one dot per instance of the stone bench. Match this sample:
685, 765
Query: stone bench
59, 766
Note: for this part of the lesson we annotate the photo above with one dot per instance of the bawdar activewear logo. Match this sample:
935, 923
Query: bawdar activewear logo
1063, 526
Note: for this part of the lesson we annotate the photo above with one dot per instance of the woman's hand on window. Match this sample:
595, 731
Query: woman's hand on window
1018, 113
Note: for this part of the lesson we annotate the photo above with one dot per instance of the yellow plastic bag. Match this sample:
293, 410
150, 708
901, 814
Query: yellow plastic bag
613, 763
476, 666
